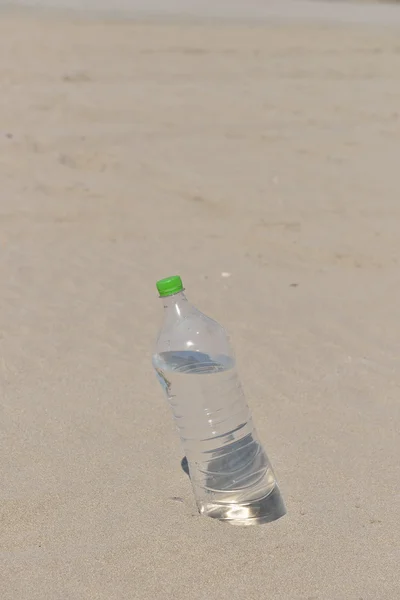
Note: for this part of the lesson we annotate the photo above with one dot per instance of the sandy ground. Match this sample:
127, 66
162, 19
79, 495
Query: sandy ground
133, 151
372, 12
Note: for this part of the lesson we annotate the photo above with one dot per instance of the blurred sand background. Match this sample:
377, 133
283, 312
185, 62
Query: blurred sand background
133, 150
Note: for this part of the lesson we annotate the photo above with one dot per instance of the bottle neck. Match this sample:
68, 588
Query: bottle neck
177, 304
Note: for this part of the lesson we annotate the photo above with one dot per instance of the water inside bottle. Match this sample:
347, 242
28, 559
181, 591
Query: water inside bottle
229, 469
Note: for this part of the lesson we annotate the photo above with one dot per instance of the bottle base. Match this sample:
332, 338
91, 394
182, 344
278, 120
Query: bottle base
256, 512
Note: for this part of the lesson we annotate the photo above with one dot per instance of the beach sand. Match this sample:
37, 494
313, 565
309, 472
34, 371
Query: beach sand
132, 151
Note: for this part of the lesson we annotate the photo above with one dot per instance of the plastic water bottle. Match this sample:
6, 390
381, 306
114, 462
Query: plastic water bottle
230, 472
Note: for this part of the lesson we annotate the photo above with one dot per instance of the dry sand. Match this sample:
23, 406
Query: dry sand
133, 151
339, 11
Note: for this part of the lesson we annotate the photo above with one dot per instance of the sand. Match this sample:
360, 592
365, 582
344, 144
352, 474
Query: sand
131, 151
375, 12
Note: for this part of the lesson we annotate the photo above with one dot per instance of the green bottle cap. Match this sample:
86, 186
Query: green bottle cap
169, 286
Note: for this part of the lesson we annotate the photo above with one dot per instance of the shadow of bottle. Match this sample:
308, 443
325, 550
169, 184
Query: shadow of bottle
185, 466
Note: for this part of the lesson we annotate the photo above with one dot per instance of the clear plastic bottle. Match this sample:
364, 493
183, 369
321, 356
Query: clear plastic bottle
230, 472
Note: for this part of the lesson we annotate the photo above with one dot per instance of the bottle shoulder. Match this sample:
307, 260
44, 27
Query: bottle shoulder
193, 331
